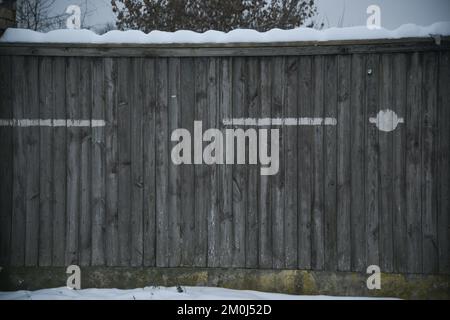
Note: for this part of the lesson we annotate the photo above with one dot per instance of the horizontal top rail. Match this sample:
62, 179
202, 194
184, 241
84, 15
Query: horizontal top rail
227, 49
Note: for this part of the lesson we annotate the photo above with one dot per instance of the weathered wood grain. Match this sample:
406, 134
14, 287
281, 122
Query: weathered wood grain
305, 163
137, 169
344, 162
413, 163
264, 192
6, 160
386, 168
444, 163
59, 187
84, 101
46, 111
358, 122
98, 153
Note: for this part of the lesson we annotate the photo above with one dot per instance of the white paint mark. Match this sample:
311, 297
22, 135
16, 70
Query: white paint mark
51, 123
386, 120
263, 122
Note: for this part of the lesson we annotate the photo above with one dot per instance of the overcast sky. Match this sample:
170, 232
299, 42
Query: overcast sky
351, 12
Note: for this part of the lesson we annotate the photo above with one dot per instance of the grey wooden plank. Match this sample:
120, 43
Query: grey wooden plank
162, 163
202, 197
98, 164
214, 121
305, 48
290, 136
330, 163
137, 157
429, 184
317, 223
6, 160
32, 146
413, 163
344, 168
253, 171
59, 163
85, 103
46, 111
174, 173
19, 159
111, 163
239, 174
277, 181
372, 156
358, 120
73, 162
443, 163
264, 192
225, 174
125, 85
398, 170
149, 162
385, 168
187, 87
305, 163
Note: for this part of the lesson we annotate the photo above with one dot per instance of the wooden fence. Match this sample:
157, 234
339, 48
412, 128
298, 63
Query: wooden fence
346, 196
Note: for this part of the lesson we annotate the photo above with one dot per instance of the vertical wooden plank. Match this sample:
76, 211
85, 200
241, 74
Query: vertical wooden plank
98, 163
187, 171
59, 162
202, 172
73, 161
19, 160
318, 243
290, 136
385, 168
253, 171
330, 164
239, 173
264, 192
125, 85
174, 171
214, 121
225, 179
413, 163
443, 163
277, 181
111, 163
137, 156
372, 156
344, 168
429, 163
46, 110
305, 151
6, 163
149, 162
399, 147
162, 163
358, 121
32, 142
85, 102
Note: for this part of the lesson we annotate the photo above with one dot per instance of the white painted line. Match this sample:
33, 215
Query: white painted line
263, 122
51, 123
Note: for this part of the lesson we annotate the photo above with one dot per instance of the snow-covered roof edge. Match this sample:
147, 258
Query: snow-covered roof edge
236, 36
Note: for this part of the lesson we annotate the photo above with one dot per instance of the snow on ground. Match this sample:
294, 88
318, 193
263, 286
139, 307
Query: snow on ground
235, 36
159, 293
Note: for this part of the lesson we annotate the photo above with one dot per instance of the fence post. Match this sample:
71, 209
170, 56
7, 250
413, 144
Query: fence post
7, 15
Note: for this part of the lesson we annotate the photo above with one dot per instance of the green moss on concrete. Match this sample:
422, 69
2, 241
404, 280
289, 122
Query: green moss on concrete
283, 281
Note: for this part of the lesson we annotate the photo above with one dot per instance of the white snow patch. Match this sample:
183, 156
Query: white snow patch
234, 36
160, 293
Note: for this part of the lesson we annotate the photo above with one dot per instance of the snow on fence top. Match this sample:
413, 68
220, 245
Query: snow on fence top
235, 36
